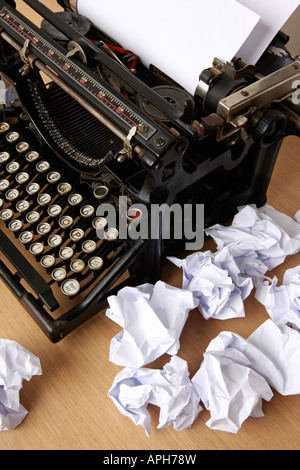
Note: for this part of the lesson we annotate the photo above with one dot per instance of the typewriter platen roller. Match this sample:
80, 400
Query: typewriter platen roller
89, 124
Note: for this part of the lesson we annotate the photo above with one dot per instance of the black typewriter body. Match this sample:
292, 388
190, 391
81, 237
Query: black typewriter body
89, 123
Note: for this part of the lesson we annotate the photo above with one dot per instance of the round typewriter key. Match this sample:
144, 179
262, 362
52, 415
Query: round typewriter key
12, 167
44, 199
95, 263
59, 274
12, 195
4, 184
77, 265
26, 237
53, 177
12, 137
111, 234
4, 156
42, 166
70, 287
1, 203
65, 221
75, 199
54, 240
133, 214
99, 223
32, 188
32, 156
32, 217
22, 147
47, 261
6, 214
22, 177
64, 188
66, 252
43, 228
36, 248
100, 192
88, 246
22, 206
76, 234
55, 210
15, 225
87, 211
4, 127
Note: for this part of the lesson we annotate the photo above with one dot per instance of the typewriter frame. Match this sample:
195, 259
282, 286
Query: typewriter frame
239, 137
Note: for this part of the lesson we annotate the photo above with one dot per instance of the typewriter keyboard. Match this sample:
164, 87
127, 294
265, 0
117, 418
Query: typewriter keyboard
52, 220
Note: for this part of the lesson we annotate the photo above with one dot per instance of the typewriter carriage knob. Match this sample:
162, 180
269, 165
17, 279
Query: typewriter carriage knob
270, 127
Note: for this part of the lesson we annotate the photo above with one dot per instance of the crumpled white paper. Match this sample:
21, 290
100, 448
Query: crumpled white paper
216, 282
237, 373
227, 384
16, 364
282, 302
152, 318
280, 344
170, 389
259, 239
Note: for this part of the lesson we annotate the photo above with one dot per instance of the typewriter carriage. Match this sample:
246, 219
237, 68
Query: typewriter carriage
200, 151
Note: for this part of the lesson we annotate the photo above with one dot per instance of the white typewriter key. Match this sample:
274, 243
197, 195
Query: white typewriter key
53, 177
87, 211
66, 252
12, 195
64, 188
1, 203
54, 240
55, 210
70, 287
15, 225
6, 214
111, 234
65, 221
44, 199
12, 137
89, 246
22, 177
22, 206
12, 167
95, 263
32, 217
4, 127
76, 234
26, 237
22, 147
99, 223
36, 248
32, 188
100, 192
75, 199
59, 274
32, 156
42, 167
4, 184
4, 156
47, 261
43, 228
77, 265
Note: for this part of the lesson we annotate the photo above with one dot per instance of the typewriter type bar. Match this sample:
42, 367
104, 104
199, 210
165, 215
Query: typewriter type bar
85, 128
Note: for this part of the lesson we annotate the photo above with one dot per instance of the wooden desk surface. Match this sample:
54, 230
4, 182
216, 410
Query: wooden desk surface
68, 405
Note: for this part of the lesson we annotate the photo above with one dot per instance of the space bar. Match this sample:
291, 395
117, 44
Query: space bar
30, 275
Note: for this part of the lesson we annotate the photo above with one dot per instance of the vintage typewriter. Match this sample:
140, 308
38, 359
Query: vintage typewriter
89, 122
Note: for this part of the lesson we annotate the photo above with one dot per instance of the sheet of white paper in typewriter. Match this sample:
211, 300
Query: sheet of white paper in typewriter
179, 38
273, 14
